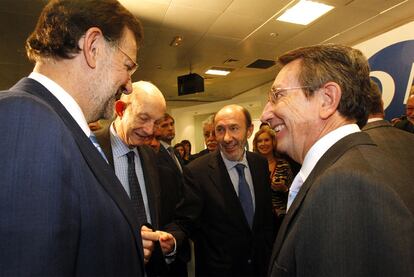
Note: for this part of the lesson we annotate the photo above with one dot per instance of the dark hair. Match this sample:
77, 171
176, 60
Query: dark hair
167, 116
376, 106
63, 22
185, 141
335, 63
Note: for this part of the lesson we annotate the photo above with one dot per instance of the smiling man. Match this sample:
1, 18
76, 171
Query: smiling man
350, 208
226, 208
124, 144
63, 211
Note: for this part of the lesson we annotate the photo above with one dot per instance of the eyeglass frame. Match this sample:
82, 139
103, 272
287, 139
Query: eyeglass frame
132, 70
274, 93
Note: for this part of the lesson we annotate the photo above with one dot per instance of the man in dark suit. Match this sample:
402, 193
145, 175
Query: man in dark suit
209, 138
63, 211
397, 143
165, 132
136, 114
350, 206
226, 209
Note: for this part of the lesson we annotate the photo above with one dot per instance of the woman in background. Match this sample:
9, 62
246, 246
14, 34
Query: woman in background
281, 175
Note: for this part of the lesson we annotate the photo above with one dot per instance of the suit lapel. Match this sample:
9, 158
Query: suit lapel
102, 171
104, 140
258, 182
152, 185
330, 157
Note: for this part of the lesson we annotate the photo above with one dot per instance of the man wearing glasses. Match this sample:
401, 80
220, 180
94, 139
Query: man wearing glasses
350, 208
63, 211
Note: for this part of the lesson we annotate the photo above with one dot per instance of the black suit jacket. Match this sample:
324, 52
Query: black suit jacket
351, 217
63, 211
397, 143
211, 214
163, 192
199, 154
165, 159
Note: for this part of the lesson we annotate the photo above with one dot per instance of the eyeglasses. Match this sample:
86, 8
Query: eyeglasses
276, 93
131, 69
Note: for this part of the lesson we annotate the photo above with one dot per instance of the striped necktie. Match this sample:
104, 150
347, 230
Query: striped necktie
93, 139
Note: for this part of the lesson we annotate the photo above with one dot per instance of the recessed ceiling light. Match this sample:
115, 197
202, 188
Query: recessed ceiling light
304, 12
219, 71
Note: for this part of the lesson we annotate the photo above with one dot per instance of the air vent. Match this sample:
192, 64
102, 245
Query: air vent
261, 64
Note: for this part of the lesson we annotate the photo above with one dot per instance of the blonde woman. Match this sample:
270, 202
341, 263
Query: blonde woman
281, 176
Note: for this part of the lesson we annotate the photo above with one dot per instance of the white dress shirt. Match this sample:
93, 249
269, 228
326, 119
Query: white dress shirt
318, 150
65, 98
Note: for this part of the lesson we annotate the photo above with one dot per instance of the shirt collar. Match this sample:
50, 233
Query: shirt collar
323, 145
231, 164
163, 143
119, 148
65, 99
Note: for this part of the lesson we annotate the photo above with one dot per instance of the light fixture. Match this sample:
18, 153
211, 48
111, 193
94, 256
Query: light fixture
304, 12
177, 40
221, 71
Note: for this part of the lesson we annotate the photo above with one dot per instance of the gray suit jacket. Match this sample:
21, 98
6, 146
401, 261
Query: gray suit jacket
397, 143
350, 218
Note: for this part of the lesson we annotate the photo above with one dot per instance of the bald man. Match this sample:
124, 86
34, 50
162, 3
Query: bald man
227, 209
135, 164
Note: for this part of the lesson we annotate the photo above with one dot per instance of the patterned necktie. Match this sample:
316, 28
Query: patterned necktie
245, 195
135, 190
93, 139
294, 189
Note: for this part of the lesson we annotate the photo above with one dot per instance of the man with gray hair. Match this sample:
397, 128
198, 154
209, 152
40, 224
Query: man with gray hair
350, 208
209, 137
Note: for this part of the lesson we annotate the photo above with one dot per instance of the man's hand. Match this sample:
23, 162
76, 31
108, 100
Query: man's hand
148, 238
167, 242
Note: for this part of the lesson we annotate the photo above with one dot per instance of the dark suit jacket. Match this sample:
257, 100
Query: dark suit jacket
163, 192
199, 154
351, 217
397, 143
165, 159
62, 211
211, 214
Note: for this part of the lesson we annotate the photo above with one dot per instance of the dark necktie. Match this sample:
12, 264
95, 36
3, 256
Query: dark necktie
93, 139
135, 190
245, 195
174, 157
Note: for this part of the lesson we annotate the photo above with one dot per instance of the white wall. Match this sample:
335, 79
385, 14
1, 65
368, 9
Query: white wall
188, 120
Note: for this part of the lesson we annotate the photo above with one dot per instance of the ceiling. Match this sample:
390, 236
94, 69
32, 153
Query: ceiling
214, 32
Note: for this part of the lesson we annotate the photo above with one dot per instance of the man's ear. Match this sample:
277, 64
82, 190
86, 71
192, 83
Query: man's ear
120, 107
91, 43
250, 130
331, 96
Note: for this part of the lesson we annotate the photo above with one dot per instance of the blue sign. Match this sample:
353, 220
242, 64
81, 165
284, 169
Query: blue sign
392, 68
